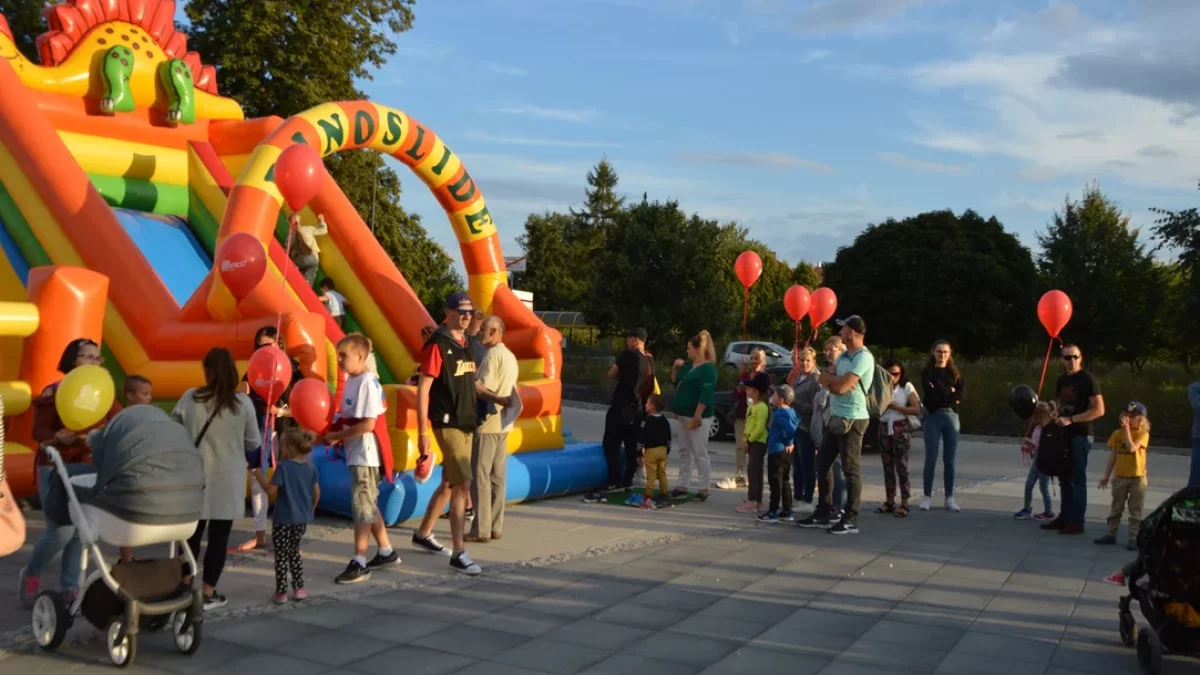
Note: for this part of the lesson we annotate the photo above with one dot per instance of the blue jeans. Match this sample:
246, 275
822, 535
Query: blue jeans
941, 427
1194, 474
56, 539
1044, 483
804, 469
1074, 489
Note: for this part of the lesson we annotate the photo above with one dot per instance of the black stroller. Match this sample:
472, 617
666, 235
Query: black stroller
1165, 582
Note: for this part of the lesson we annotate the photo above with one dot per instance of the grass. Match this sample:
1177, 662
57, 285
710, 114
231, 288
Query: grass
1161, 386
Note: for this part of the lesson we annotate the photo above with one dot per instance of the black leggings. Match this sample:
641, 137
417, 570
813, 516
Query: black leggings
218, 543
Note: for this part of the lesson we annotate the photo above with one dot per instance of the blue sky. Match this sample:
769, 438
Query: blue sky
803, 120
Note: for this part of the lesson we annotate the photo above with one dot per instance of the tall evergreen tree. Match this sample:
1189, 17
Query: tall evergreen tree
602, 203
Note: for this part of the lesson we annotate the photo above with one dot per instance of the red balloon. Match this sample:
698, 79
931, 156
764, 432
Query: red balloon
822, 305
241, 262
796, 302
310, 404
269, 372
1054, 311
748, 268
299, 174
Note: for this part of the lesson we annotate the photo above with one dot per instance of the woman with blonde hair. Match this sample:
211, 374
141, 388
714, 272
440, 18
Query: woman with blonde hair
803, 380
695, 381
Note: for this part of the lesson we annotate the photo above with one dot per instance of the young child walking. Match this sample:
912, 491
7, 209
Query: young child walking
294, 488
755, 436
654, 440
335, 302
781, 439
1128, 459
1043, 415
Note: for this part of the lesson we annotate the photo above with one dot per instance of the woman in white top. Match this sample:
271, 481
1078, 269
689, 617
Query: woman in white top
225, 429
895, 437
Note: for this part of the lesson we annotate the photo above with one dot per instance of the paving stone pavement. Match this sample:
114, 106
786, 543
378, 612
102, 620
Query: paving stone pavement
699, 589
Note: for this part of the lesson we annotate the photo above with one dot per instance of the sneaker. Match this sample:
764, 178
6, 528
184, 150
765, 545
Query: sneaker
662, 504
952, 506
1044, 517
634, 500
814, 521
787, 517
844, 527
69, 597
469, 514
648, 504
1106, 540
463, 563
299, 595
279, 598
1056, 524
429, 545
748, 506
27, 589
381, 560
592, 498
769, 517
924, 504
1023, 514
1117, 578
214, 601
354, 574
727, 483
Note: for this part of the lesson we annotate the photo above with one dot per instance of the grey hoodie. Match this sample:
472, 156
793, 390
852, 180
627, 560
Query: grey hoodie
805, 391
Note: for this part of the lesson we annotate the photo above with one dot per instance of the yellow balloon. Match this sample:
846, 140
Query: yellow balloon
84, 397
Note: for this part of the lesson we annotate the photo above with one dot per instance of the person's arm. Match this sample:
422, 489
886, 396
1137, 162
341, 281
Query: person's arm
271, 488
613, 371
316, 495
362, 427
322, 228
914, 404
1094, 411
705, 399
1112, 462
839, 384
423, 441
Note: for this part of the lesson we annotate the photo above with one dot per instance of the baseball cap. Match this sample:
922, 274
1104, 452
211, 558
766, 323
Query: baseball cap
1136, 408
456, 300
855, 322
785, 394
639, 333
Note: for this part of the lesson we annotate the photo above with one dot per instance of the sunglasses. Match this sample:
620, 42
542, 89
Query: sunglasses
464, 312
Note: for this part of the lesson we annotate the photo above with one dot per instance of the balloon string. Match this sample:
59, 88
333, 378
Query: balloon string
745, 310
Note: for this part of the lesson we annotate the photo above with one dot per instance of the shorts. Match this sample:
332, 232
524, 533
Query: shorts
456, 454
364, 494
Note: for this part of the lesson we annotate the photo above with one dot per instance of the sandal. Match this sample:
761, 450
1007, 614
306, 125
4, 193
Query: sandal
888, 507
902, 511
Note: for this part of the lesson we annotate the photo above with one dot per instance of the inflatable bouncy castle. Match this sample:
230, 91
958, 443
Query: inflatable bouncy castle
122, 172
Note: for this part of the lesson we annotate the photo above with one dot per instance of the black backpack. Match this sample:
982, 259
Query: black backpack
1054, 452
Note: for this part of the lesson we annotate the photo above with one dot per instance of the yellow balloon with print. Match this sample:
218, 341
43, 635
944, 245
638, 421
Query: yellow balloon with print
84, 397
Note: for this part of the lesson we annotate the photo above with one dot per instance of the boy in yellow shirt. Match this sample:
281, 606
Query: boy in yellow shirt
1128, 458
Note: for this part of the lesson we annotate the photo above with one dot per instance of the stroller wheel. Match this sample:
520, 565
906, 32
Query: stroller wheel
1149, 652
1129, 629
187, 641
50, 620
122, 649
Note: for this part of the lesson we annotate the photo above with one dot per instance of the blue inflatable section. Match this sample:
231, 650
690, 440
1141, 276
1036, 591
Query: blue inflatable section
531, 475
170, 248
20, 267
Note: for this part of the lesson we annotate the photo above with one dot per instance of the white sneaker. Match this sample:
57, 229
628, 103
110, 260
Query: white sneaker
727, 483
950, 505
925, 504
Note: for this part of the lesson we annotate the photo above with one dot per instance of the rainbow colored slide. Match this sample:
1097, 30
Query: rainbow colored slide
122, 169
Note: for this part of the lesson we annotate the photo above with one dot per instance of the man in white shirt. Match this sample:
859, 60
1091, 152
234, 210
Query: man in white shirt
494, 384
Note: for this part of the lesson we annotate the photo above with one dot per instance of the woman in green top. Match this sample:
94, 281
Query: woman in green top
695, 380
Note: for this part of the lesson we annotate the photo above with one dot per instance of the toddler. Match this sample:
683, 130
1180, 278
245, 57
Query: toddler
1043, 415
781, 439
1128, 458
296, 492
755, 438
335, 302
654, 441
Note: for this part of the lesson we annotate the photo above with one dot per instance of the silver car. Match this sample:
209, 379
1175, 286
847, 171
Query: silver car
737, 353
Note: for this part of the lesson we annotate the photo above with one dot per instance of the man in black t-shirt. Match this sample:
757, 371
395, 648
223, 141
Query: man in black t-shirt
620, 425
1079, 403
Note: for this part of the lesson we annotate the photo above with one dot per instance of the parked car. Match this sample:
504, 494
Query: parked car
738, 353
723, 403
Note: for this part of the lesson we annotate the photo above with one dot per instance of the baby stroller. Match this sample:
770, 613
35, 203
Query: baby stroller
1165, 582
123, 504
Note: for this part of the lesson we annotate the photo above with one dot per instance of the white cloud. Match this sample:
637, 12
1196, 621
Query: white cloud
903, 161
485, 137
813, 55
556, 114
501, 69
768, 160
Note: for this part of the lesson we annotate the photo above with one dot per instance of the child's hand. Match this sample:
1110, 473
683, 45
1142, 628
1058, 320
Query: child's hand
424, 444
1104, 483
1125, 422
790, 448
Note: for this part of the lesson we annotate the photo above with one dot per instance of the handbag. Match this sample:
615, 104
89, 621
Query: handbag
12, 521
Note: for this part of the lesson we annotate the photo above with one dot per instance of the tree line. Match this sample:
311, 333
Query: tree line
935, 275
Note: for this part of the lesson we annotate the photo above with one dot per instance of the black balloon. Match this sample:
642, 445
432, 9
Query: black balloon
1022, 400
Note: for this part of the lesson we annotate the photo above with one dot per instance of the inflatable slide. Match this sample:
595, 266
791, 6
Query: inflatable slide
123, 169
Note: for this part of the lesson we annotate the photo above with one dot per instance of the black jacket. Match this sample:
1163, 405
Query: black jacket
452, 401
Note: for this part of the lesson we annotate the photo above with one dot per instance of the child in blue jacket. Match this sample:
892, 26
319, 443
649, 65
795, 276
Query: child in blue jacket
781, 435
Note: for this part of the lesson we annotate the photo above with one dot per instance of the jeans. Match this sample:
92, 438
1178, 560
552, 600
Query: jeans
57, 539
620, 430
779, 477
1194, 474
848, 448
1044, 483
804, 468
941, 427
1074, 489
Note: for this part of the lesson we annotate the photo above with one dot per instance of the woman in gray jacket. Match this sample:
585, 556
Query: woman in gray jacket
803, 380
224, 427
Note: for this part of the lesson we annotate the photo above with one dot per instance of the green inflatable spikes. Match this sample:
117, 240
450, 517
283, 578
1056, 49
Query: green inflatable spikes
117, 68
177, 79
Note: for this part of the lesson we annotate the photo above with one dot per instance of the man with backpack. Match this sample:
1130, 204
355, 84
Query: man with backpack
856, 393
